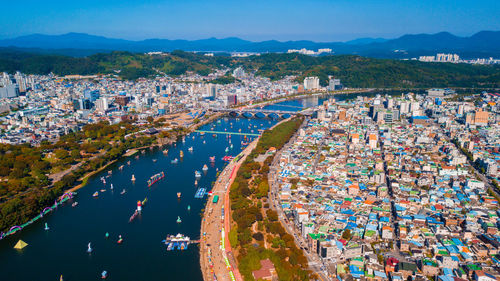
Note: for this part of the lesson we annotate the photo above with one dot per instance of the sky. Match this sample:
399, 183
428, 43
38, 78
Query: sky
256, 20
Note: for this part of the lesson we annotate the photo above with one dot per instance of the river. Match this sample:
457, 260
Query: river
62, 250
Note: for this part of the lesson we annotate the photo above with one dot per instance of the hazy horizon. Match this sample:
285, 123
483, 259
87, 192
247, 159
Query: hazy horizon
316, 20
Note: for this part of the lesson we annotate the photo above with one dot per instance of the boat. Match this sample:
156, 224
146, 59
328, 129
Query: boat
154, 160
96, 194
137, 157
183, 139
189, 207
128, 162
134, 215
181, 154
120, 168
111, 187
190, 149
195, 182
197, 174
89, 248
144, 201
120, 239
231, 146
61, 278
123, 191
204, 142
155, 178
104, 274
205, 168
133, 178
165, 151
74, 204
106, 235
178, 195
102, 190
179, 219
174, 161
143, 151
212, 159
46, 227
227, 149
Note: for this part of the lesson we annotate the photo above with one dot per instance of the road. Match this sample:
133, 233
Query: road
316, 264
212, 255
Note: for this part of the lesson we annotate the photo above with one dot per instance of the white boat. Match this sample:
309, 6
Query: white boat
174, 161
111, 187
197, 174
74, 204
205, 168
96, 194
190, 149
133, 178
123, 191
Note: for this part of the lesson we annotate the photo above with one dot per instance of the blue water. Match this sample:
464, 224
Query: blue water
141, 256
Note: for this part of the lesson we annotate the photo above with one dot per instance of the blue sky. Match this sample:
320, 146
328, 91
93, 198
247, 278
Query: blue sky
318, 20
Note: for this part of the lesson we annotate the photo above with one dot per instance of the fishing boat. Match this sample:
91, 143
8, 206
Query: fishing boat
178, 195
89, 248
134, 215
212, 159
123, 191
174, 161
179, 219
181, 154
74, 204
133, 178
104, 274
120, 239
205, 168
46, 227
190, 149
96, 194
197, 174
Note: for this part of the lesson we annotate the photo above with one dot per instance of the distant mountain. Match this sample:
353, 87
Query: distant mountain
484, 43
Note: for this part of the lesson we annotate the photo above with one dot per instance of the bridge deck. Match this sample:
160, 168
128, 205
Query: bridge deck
227, 133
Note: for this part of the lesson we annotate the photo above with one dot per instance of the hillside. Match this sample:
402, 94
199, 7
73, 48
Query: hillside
354, 71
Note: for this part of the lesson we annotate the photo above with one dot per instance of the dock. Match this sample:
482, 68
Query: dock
228, 133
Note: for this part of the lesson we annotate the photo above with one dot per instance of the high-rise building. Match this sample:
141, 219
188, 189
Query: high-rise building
239, 72
481, 118
211, 90
334, 84
311, 83
232, 100
9, 91
102, 104
91, 95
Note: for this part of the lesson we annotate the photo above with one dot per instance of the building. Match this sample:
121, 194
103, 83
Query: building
239, 72
9, 91
481, 118
311, 83
232, 100
266, 271
102, 104
91, 95
211, 90
334, 84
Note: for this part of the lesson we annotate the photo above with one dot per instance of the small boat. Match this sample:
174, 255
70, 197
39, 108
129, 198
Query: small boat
61, 278
133, 178
178, 195
154, 160
231, 146
165, 151
102, 190
104, 274
204, 142
195, 182
183, 139
179, 219
123, 191
110, 172
137, 157
128, 162
205, 168
181, 154
197, 174
120, 239
111, 187
190, 149
74, 204
227, 149
106, 235
120, 168
89, 248
46, 227
143, 151
212, 159
174, 161
96, 194
189, 207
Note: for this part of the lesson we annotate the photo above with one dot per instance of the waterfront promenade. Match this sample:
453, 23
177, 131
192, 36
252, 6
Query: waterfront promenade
216, 257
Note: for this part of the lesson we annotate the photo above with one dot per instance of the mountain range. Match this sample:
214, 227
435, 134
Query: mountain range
481, 44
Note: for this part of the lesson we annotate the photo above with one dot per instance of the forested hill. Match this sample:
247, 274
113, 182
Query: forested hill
354, 71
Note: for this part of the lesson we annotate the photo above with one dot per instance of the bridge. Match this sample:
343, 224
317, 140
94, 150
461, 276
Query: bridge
255, 112
227, 133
